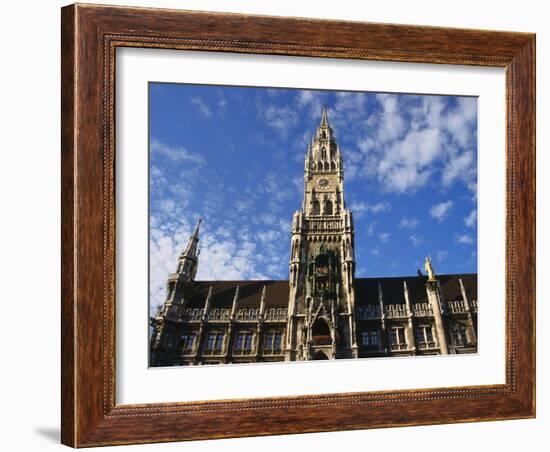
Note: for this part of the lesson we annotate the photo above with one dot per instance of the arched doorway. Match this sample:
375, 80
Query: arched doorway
319, 355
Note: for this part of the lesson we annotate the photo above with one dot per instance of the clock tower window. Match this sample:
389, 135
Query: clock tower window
328, 207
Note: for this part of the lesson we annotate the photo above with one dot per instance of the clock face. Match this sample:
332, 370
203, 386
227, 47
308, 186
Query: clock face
324, 183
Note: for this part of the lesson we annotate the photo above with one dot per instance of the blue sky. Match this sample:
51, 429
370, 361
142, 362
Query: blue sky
235, 155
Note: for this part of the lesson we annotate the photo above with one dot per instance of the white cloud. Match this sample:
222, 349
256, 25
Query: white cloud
176, 153
312, 102
392, 124
440, 211
459, 167
359, 208
471, 219
222, 256
280, 118
384, 237
370, 228
464, 239
412, 140
268, 236
408, 223
441, 255
415, 240
200, 105
407, 163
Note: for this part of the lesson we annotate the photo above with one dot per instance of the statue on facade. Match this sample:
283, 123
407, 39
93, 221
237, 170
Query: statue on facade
428, 267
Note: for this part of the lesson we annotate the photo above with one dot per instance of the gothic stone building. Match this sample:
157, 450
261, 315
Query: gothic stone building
322, 311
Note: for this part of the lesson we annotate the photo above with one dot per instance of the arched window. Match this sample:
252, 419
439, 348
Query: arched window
316, 210
328, 207
324, 133
323, 153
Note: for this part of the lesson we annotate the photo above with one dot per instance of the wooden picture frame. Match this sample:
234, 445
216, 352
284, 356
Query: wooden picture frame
90, 36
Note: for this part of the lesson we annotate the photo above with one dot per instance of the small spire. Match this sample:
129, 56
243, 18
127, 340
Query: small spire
234, 304
324, 117
191, 250
262, 301
196, 233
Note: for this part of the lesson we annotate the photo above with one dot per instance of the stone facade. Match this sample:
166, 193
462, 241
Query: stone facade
322, 311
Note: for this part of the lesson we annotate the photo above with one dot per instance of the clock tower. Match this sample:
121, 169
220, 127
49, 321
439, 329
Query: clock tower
322, 265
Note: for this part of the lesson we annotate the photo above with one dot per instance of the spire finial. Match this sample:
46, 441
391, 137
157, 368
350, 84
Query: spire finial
324, 117
196, 233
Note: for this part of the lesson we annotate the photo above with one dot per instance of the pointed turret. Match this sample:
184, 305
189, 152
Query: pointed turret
189, 259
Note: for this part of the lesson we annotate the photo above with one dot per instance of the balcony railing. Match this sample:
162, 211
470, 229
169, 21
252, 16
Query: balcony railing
218, 314
396, 310
242, 315
456, 307
275, 314
422, 310
247, 314
192, 314
368, 312
323, 224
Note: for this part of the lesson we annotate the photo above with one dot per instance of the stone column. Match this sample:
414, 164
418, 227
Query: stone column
260, 323
204, 319
434, 298
228, 348
411, 342
384, 335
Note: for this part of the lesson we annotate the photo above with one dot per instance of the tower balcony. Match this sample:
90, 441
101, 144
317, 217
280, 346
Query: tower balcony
329, 223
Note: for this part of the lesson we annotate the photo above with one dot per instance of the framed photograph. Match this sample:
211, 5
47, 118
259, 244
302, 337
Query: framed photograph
281, 225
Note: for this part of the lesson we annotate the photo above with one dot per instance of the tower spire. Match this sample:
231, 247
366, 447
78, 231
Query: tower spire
189, 259
324, 117
191, 250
